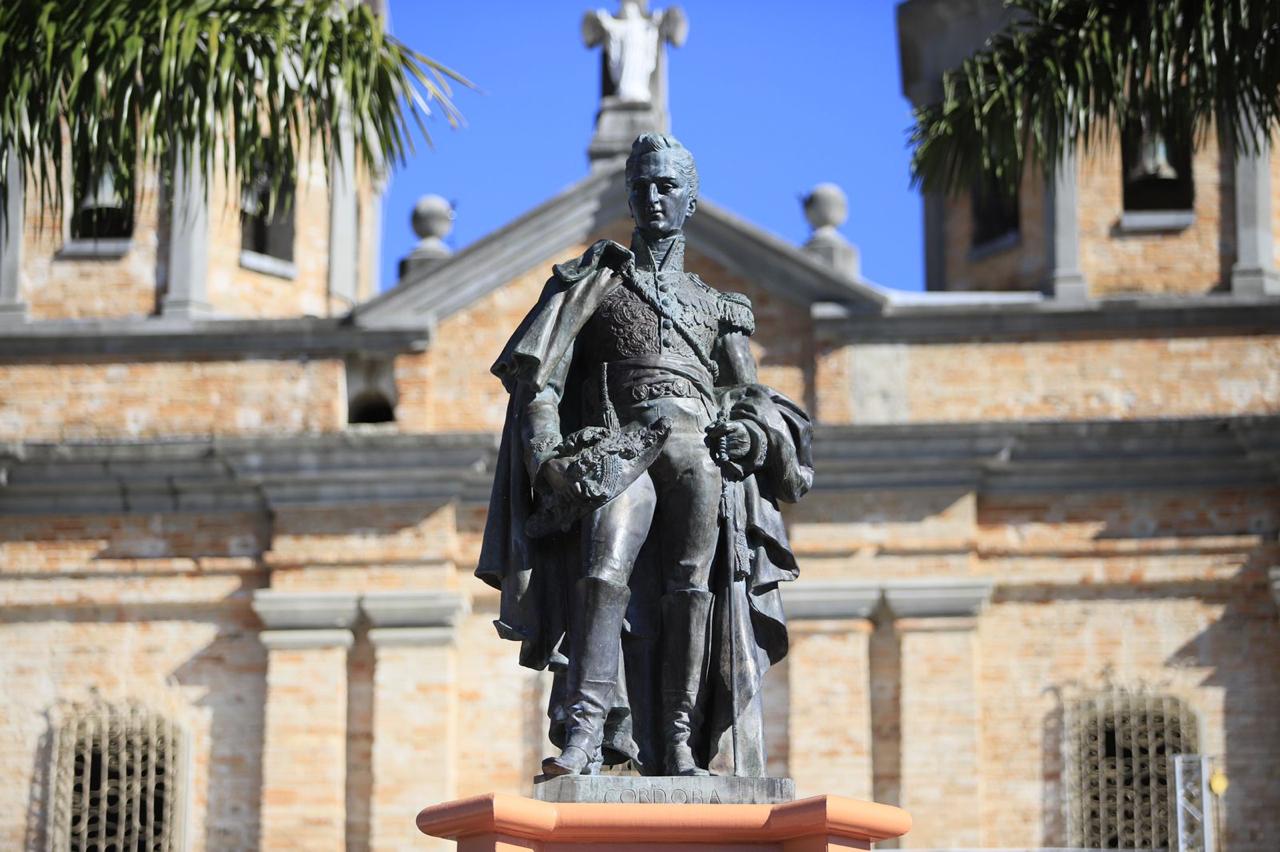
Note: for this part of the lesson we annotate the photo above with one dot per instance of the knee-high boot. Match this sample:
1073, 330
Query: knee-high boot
685, 617
599, 609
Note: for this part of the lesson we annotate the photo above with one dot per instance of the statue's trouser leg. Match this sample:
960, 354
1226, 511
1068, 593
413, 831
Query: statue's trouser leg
688, 484
612, 536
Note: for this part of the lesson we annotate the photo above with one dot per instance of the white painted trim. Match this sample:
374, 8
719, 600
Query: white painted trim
91, 249
1155, 221
268, 265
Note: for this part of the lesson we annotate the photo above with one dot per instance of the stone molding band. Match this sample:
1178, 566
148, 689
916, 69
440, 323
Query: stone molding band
325, 619
298, 640
906, 599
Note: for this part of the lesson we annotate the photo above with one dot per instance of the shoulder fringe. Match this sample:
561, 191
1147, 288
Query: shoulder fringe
735, 312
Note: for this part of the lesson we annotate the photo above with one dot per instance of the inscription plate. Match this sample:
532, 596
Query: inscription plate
665, 790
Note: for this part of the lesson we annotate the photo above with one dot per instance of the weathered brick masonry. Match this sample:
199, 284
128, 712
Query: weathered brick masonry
1024, 498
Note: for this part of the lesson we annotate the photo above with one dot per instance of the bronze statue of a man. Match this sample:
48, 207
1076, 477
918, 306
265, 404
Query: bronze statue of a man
633, 528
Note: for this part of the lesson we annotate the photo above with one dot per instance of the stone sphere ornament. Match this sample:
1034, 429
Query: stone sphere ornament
826, 206
432, 217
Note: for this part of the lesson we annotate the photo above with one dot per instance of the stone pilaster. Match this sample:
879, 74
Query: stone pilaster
940, 743
415, 709
188, 266
304, 763
344, 233
1066, 282
12, 309
1254, 272
830, 688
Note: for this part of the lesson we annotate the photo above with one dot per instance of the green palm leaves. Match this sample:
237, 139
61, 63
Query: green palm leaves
1073, 72
246, 85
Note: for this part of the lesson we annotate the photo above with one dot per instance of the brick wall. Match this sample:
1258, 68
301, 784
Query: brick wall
66, 287
449, 388
240, 292
1048, 379
146, 608
146, 399
1190, 261
1020, 266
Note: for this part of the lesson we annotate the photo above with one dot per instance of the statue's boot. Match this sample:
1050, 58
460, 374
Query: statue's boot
599, 608
685, 618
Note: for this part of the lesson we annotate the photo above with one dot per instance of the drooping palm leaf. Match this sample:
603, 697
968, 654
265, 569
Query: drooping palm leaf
248, 84
1073, 72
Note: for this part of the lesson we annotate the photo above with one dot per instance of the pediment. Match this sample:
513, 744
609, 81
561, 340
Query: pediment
592, 206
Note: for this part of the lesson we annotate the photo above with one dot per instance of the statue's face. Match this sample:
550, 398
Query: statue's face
661, 199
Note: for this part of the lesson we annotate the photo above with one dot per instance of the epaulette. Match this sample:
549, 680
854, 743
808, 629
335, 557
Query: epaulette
735, 311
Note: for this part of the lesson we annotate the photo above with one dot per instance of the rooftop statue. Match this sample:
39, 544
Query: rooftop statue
631, 42
634, 528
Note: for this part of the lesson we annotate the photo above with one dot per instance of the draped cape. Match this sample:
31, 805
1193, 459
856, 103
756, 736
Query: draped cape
536, 576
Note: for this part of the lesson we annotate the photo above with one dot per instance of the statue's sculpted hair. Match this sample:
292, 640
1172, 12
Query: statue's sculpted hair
647, 143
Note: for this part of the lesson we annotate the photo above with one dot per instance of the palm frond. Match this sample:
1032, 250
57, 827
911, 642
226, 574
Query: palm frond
1070, 73
250, 84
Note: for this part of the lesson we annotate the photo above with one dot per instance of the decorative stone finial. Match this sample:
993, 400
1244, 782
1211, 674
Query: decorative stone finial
432, 221
633, 73
826, 208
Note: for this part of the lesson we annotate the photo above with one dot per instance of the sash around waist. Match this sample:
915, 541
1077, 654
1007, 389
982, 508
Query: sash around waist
655, 376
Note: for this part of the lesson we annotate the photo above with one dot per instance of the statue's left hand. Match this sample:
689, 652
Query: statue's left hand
729, 440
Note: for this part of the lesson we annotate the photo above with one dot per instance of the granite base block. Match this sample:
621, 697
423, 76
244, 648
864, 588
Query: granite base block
665, 790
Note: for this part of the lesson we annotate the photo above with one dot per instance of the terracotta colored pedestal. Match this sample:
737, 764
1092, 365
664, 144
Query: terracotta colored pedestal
502, 823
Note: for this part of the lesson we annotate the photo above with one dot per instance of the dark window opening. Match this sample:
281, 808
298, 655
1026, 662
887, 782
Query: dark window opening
103, 209
371, 407
1157, 170
262, 229
995, 213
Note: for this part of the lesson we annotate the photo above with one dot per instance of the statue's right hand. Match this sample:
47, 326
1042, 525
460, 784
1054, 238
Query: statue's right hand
540, 449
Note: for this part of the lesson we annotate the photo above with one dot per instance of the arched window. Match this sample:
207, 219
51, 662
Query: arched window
116, 780
1120, 749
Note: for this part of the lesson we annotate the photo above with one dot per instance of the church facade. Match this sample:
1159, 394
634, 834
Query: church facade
242, 496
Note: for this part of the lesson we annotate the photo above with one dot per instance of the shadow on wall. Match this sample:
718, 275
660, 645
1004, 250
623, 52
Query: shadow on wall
1241, 651
228, 674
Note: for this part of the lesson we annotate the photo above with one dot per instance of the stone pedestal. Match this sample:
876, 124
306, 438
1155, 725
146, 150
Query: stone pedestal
502, 823
665, 790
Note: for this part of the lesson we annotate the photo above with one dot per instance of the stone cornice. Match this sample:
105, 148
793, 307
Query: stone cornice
930, 597
935, 318
937, 598
167, 338
1051, 456
835, 599
244, 474
351, 468
414, 609
282, 610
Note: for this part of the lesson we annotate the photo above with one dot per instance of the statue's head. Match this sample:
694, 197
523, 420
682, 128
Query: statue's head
662, 184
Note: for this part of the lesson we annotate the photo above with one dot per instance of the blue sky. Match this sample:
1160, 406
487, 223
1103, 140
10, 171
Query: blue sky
772, 98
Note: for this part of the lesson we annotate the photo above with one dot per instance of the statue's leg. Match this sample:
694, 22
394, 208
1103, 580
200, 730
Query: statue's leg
612, 537
689, 496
